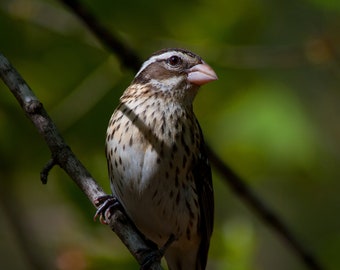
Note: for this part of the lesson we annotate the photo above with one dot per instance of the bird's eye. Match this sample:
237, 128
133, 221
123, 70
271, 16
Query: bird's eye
174, 60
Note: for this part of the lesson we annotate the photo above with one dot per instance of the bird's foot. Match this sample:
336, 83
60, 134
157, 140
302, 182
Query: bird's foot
106, 204
156, 255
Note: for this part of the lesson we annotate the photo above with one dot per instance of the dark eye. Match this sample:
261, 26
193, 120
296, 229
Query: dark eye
174, 60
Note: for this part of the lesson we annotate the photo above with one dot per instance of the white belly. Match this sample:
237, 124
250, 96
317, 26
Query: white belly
152, 179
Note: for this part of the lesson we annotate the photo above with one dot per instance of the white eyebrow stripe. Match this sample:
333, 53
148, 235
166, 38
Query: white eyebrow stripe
156, 58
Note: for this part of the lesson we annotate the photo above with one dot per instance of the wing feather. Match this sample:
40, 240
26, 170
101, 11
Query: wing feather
204, 186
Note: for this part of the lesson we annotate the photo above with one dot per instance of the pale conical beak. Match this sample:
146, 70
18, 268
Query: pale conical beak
201, 74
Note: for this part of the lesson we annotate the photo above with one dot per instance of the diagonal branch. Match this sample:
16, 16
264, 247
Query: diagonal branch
126, 55
129, 59
63, 156
271, 219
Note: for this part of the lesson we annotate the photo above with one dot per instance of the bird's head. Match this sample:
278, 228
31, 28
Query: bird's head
174, 72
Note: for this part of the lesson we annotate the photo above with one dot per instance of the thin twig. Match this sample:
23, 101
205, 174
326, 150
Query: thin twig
46, 170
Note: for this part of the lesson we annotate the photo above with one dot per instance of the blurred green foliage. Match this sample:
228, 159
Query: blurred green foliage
273, 115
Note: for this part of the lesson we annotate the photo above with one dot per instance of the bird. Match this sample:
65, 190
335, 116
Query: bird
157, 159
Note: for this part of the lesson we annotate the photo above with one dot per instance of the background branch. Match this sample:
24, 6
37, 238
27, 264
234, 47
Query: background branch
125, 54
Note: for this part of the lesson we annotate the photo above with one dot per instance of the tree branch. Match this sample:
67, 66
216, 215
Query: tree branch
130, 60
268, 216
63, 156
125, 54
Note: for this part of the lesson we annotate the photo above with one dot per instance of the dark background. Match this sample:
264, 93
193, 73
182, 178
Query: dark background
273, 116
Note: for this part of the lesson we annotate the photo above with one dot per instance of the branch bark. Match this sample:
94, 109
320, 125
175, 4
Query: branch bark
63, 156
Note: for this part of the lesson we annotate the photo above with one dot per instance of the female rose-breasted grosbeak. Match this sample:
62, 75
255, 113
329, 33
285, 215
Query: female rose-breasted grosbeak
156, 156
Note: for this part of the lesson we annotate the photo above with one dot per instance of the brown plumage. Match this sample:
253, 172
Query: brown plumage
156, 157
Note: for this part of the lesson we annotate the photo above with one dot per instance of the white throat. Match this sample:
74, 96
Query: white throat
166, 85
